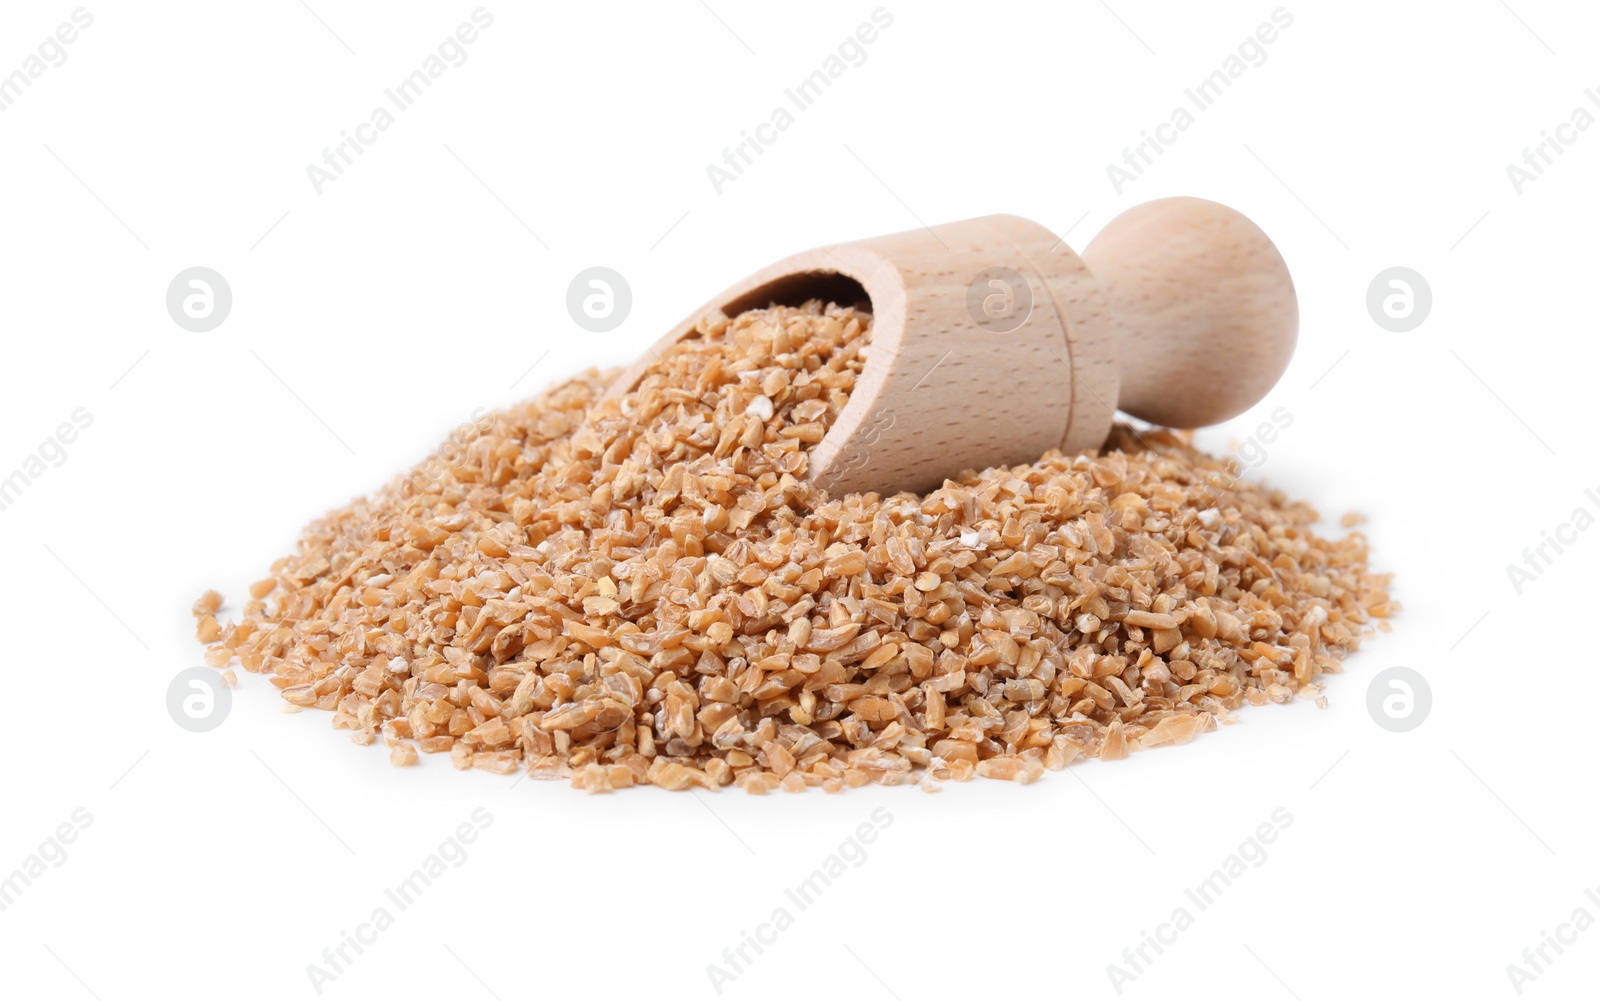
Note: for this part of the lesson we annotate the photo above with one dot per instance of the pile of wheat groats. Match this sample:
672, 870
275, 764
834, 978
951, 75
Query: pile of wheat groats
648, 590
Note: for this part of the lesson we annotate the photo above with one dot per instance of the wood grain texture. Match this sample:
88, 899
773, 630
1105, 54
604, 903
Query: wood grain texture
1205, 306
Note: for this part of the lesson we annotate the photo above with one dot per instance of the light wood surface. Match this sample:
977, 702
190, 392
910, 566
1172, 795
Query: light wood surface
1181, 309
1205, 306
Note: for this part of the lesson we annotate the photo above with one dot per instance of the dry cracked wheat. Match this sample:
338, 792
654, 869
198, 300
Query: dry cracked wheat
649, 591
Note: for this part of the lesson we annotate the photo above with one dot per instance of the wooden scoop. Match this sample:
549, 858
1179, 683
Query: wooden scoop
993, 342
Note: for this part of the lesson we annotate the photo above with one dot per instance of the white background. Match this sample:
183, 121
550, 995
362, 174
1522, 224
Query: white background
371, 319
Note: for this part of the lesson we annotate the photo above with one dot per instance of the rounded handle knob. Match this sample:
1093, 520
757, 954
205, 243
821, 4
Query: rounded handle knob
1205, 310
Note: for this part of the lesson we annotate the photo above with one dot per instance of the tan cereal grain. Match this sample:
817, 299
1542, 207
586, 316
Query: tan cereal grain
649, 591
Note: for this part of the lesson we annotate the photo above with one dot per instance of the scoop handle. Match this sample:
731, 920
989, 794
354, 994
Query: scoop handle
1205, 310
